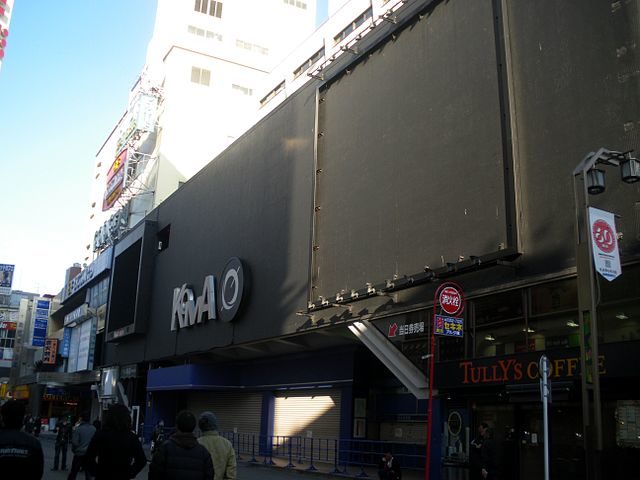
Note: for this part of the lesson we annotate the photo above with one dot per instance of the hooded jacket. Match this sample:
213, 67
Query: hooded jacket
181, 457
222, 454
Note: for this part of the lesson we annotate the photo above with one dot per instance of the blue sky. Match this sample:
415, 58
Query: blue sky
64, 82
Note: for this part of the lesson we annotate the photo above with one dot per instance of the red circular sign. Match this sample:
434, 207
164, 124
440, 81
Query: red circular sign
603, 236
450, 300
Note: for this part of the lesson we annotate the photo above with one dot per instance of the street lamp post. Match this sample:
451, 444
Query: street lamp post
589, 179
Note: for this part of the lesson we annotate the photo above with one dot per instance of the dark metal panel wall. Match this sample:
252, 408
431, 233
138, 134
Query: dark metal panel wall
411, 154
575, 88
252, 202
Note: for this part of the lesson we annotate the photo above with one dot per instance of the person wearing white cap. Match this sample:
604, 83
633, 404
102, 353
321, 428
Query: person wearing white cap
221, 450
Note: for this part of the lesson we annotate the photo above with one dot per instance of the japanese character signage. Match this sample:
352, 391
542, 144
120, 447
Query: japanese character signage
396, 330
450, 300
50, 351
6, 278
449, 326
604, 243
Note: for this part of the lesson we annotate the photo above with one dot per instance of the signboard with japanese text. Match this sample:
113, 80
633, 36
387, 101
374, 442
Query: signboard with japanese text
66, 343
448, 326
50, 351
6, 278
398, 330
604, 243
40, 321
115, 180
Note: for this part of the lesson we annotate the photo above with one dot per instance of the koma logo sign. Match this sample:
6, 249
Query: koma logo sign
188, 310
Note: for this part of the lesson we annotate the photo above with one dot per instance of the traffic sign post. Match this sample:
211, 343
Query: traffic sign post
545, 396
450, 298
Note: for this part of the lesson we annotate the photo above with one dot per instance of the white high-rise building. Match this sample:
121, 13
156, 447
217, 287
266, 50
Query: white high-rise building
213, 69
198, 92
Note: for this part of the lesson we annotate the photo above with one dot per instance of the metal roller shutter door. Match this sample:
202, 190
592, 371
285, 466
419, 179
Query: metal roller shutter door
316, 411
236, 412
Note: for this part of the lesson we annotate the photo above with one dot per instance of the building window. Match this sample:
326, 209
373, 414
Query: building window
252, 47
359, 20
201, 32
296, 3
499, 325
272, 93
243, 90
308, 63
211, 7
201, 76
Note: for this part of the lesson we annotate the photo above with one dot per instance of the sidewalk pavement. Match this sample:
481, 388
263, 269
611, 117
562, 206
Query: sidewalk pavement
246, 469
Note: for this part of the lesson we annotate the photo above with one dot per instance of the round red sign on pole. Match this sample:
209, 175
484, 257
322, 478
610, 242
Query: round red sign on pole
450, 300
603, 236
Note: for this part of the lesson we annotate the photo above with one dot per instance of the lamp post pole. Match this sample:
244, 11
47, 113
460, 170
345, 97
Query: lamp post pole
587, 314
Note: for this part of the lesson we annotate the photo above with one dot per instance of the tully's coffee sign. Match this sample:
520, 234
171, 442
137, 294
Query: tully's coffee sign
518, 369
187, 310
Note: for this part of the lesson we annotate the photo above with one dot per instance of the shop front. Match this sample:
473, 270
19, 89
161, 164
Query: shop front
491, 374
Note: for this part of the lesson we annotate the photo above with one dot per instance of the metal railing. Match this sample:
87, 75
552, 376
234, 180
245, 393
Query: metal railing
340, 456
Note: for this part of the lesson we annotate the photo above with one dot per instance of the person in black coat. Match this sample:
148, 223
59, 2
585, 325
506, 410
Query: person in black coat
115, 453
181, 457
489, 466
63, 437
20, 453
389, 468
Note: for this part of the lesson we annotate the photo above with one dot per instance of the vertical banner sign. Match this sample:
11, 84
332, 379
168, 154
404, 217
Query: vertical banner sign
6, 278
50, 351
66, 343
448, 304
40, 322
604, 243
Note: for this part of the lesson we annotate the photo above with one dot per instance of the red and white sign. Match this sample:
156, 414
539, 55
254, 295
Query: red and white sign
604, 243
450, 300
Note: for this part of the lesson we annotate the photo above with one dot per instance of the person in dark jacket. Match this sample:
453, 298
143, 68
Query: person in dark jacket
80, 439
181, 457
389, 467
115, 453
20, 453
475, 455
63, 437
488, 452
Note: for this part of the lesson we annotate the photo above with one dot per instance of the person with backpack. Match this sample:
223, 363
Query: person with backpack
181, 457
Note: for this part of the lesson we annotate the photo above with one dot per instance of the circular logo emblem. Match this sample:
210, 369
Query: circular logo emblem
450, 300
454, 423
603, 236
232, 285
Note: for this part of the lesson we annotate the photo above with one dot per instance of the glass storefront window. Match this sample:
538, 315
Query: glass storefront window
554, 297
619, 311
499, 324
619, 322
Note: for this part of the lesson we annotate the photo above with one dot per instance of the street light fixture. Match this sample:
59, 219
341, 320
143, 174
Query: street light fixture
589, 179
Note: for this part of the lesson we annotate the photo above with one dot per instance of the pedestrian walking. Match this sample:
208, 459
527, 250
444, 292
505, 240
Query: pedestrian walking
489, 463
389, 467
37, 426
157, 437
63, 437
222, 453
181, 457
475, 454
20, 453
80, 439
115, 453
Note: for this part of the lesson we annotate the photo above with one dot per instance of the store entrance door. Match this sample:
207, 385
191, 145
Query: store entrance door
519, 434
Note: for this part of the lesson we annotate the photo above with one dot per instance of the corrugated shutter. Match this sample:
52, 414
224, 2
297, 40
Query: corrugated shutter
307, 413
236, 412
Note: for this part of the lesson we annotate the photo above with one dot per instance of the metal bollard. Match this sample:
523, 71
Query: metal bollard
311, 468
